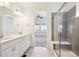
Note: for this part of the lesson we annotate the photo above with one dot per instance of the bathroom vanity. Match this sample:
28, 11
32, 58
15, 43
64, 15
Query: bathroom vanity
13, 41
15, 45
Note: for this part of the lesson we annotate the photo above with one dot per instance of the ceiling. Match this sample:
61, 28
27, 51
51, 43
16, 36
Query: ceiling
53, 6
28, 7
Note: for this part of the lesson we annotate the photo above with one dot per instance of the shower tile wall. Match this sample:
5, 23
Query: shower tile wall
68, 20
75, 41
71, 30
70, 24
76, 37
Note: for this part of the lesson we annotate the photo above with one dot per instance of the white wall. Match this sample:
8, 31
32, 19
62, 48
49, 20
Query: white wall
24, 24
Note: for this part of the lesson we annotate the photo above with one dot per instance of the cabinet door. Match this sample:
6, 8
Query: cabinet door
7, 52
22, 48
23, 45
16, 50
28, 41
13, 51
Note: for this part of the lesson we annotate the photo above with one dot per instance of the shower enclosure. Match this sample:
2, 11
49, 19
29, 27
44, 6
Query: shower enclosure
63, 30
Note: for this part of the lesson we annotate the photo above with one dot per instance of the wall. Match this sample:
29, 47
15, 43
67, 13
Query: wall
70, 24
21, 23
75, 47
76, 37
72, 29
24, 25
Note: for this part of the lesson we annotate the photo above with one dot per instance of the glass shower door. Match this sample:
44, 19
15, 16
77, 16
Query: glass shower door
57, 33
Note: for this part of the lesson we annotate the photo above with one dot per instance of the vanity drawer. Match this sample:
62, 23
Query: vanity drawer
7, 52
13, 51
9, 44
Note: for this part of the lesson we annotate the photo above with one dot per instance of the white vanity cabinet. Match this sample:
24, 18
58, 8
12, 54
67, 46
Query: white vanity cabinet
27, 41
7, 52
12, 51
16, 50
24, 44
16, 47
10, 48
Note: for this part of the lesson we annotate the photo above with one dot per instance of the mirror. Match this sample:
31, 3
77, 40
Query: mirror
8, 25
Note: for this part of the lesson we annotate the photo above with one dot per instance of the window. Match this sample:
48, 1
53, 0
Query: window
40, 27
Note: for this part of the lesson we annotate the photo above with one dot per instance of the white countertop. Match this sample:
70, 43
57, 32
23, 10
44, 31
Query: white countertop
10, 38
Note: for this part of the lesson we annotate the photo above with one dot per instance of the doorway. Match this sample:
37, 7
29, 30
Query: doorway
40, 27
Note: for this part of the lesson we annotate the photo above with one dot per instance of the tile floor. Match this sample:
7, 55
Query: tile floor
40, 39
38, 52
44, 52
65, 53
68, 54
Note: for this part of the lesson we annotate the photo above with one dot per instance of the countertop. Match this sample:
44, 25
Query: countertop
11, 37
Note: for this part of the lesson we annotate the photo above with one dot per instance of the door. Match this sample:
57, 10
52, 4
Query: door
57, 33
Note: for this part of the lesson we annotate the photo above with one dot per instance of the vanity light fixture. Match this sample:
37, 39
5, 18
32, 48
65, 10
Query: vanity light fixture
18, 12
